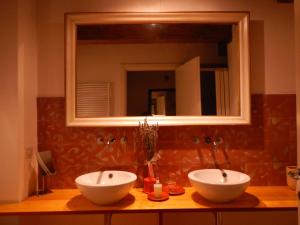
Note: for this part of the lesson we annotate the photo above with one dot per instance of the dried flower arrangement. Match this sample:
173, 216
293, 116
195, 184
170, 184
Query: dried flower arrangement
149, 135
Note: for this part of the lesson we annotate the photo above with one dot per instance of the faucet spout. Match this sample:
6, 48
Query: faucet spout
215, 143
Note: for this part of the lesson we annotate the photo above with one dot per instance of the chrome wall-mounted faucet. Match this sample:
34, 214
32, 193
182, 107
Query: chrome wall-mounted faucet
215, 142
110, 140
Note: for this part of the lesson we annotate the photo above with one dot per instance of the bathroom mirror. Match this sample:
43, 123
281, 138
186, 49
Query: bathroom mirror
173, 68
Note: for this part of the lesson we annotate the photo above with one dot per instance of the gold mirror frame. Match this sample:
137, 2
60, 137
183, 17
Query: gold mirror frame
74, 19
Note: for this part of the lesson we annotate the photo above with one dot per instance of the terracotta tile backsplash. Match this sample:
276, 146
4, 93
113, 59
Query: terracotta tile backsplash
261, 149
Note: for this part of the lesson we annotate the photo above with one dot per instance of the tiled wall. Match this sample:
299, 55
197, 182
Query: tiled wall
261, 149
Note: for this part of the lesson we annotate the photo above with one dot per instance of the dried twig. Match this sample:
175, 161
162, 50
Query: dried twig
149, 136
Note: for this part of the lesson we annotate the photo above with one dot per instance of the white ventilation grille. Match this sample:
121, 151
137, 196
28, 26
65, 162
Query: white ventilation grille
93, 98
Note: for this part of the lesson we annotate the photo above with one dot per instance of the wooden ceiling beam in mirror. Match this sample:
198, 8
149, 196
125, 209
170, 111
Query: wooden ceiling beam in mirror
285, 1
155, 33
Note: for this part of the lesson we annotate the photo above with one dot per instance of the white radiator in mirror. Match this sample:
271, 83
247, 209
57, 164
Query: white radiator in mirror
93, 98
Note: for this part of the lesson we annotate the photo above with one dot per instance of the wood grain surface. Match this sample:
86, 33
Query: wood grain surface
70, 201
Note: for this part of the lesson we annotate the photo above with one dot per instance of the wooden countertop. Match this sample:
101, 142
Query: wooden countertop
70, 201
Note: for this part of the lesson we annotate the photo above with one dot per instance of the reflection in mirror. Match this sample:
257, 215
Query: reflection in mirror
143, 90
175, 68
202, 76
162, 102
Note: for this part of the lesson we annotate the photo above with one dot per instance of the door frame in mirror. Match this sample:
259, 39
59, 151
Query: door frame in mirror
72, 20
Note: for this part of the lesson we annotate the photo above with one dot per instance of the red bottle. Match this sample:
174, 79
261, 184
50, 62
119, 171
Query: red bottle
148, 184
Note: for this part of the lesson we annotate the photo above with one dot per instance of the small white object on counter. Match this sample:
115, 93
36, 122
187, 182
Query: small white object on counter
157, 189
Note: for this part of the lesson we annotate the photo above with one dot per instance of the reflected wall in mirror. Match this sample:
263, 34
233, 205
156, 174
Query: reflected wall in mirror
180, 68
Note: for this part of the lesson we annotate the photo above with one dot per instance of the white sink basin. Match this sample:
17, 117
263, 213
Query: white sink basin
105, 187
211, 185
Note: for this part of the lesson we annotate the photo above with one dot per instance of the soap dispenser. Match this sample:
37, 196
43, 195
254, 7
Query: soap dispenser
157, 189
158, 193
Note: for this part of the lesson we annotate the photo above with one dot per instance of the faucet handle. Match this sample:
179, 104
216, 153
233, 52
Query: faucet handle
123, 140
215, 141
219, 140
196, 140
208, 140
111, 140
100, 140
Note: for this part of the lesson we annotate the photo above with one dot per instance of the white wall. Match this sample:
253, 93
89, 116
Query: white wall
272, 42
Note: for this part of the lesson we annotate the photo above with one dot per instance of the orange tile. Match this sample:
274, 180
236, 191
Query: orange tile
261, 149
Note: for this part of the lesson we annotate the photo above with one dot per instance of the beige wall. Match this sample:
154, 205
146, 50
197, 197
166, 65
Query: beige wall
272, 34
17, 97
9, 115
27, 60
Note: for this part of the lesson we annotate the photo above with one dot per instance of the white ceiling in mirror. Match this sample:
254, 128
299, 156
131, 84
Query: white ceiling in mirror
199, 85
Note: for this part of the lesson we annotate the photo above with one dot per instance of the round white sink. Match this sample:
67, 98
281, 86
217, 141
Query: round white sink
211, 185
105, 187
